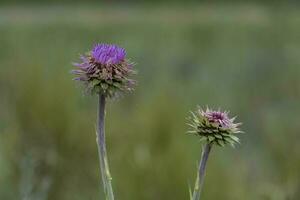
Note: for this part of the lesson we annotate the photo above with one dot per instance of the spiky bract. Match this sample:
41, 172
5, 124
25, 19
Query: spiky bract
214, 127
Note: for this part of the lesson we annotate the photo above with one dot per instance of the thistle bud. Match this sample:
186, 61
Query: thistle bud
214, 127
105, 70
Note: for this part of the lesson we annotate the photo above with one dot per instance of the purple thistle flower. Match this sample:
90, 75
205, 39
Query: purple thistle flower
214, 127
217, 117
105, 70
108, 54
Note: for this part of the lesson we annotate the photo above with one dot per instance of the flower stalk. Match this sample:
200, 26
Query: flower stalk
201, 171
107, 72
106, 177
213, 128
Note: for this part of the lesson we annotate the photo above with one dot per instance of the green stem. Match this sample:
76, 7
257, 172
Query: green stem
201, 171
106, 177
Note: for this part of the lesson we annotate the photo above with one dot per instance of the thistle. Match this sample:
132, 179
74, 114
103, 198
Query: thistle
105, 71
213, 127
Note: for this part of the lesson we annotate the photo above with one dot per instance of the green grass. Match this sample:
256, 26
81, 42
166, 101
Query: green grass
244, 58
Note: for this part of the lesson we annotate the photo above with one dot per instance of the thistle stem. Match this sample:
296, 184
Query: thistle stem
106, 177
201, 171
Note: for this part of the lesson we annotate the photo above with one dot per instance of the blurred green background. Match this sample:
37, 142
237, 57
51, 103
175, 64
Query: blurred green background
243, 57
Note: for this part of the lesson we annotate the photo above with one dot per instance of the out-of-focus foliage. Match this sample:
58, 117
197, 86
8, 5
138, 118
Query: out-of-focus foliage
242, 58
149, 2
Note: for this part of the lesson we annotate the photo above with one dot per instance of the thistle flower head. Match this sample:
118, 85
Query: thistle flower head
214, 127
105, 70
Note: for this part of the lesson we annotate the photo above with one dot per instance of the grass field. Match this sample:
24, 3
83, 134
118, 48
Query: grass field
242, 58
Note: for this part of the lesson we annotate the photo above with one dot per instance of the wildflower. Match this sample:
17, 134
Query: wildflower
105, 70
215, 127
